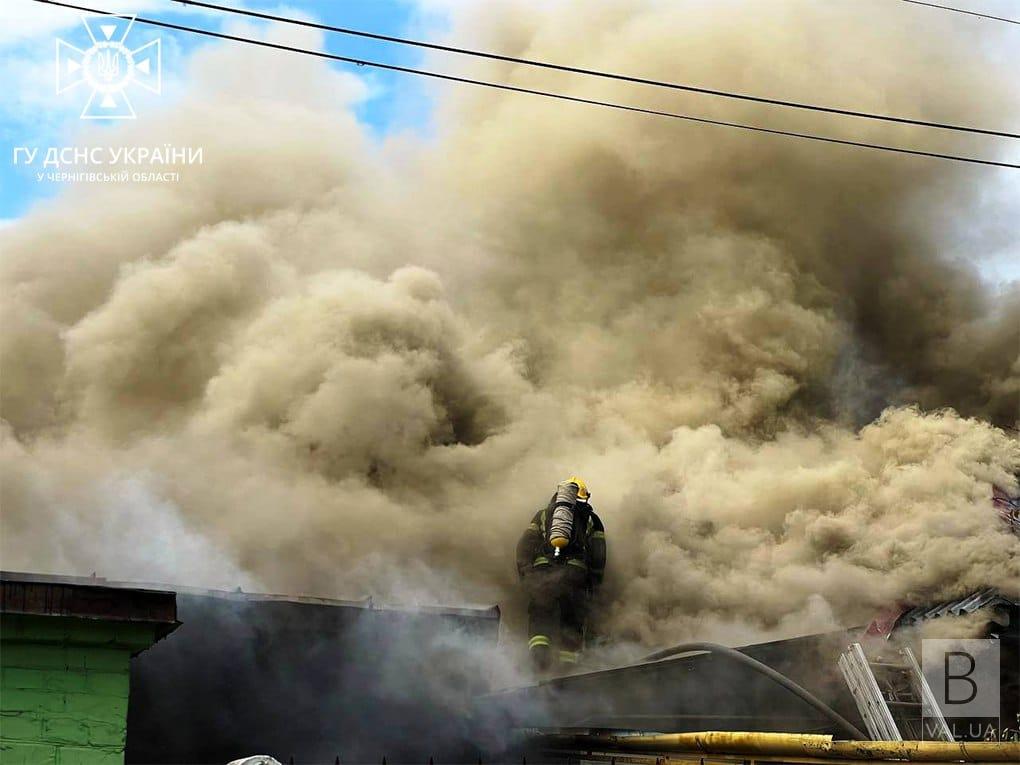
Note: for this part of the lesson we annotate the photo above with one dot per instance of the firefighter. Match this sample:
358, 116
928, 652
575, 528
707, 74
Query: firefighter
561, 559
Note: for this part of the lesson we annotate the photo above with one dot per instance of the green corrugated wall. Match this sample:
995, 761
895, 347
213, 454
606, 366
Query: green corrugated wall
64, 688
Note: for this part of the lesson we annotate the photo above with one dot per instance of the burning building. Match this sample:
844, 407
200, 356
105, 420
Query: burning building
326, 362
316, 680
305, 678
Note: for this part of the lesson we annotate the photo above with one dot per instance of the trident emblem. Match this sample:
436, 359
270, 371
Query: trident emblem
108, 66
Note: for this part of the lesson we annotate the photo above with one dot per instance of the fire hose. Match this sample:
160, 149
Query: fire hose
797, 690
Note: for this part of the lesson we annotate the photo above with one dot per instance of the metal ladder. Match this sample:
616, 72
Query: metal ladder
892, 695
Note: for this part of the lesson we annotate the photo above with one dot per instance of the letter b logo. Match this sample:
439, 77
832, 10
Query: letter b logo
953, 674
963, 676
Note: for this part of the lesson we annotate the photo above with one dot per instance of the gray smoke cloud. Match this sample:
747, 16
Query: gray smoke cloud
328, 364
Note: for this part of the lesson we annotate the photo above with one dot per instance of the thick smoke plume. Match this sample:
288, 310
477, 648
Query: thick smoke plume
326, 364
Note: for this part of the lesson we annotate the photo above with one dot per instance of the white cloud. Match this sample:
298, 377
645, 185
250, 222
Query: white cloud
22, 21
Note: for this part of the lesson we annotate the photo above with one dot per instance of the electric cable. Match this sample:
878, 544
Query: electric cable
534, 91
592, 72
963, 10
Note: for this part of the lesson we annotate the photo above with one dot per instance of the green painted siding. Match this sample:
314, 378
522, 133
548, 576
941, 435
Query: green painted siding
64, 689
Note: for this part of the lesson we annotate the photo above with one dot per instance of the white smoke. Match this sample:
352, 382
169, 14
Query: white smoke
329, 365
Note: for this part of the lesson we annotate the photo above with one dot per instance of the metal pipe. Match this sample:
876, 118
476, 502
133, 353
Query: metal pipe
794, 745
802, 693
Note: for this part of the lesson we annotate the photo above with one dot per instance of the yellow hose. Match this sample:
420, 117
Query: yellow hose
803, 745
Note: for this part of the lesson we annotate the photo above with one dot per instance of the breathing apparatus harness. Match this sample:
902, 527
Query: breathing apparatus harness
569, 494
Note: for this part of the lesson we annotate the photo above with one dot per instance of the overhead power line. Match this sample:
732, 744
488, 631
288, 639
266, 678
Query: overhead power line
531, 91
963, 10
595, 73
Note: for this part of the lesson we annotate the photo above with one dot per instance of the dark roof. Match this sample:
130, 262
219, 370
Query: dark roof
704, 691
490, 612
87, 598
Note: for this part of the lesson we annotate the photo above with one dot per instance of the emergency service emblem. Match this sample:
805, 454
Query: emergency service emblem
108, 67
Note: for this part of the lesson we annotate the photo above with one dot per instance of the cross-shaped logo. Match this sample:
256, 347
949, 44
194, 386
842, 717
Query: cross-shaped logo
108, 67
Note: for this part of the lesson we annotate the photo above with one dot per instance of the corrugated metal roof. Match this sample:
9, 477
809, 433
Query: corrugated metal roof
86, 598
986, 598
1008, 508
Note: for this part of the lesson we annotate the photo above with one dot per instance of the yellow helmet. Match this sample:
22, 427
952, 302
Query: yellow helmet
582, 488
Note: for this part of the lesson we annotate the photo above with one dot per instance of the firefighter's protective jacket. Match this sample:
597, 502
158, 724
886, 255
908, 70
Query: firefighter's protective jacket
586, 548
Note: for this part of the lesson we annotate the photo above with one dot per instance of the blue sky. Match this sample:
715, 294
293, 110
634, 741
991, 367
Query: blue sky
32, 114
